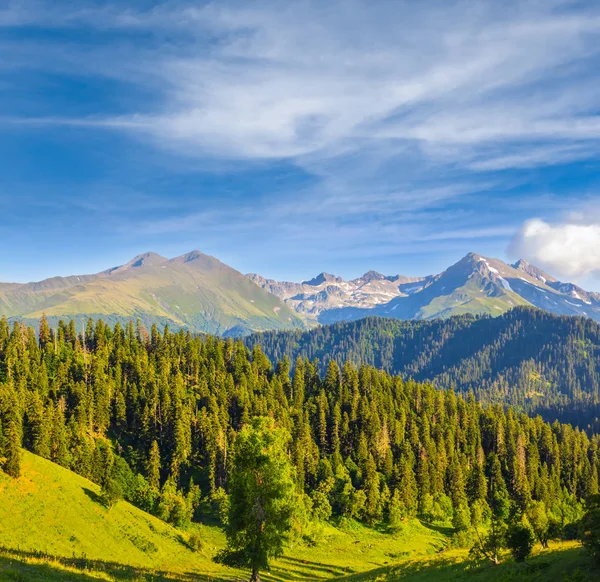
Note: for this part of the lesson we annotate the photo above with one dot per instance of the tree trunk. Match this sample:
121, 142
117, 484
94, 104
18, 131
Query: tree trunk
255, 575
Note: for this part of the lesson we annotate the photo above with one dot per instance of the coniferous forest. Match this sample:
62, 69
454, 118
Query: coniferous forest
528, 358
153, 417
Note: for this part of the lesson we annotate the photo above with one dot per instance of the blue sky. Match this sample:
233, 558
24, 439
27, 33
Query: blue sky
287, 138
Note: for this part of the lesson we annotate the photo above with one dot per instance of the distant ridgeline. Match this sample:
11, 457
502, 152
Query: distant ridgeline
539, 362
158, 413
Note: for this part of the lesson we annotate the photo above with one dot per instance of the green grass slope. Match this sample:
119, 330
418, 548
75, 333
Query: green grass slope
52, 511
53, 529
194, 291
563, 562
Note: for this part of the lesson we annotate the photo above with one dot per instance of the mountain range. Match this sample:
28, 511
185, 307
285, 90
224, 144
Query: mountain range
198, 292
475, 284
193, 291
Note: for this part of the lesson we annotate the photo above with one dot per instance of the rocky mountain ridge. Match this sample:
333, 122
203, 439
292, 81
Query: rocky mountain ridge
475, 284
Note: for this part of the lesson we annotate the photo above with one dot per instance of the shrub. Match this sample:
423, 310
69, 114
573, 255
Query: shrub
520, 540
219, 502
195, 542
112, 492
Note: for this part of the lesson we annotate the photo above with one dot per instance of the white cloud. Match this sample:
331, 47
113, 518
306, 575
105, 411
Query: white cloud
570, 249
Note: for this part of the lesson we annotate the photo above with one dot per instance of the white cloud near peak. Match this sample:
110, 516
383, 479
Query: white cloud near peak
570, 249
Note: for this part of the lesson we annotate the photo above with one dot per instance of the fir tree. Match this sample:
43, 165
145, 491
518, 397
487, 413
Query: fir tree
262, 497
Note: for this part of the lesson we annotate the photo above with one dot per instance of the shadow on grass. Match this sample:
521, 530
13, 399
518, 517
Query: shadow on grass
442, 529
296, 569
93, 496
14, 569
565, 565
26, 565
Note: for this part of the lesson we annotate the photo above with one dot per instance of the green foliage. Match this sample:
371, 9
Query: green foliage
153, 466
490, 545
194, 542
545, 526
590, 527
526, 357
111, 492
160, 413
127, 544
396, 511
520, 540
220, 505
173, 507
262, 496
461, 519
321, 507
10, 432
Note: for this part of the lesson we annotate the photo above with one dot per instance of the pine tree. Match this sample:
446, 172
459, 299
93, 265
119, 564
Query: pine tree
12, 448
499, 503
153, 466
262, 497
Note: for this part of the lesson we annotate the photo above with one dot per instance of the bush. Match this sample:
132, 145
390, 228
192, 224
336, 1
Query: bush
570, 532
321, 507
173, 507
396, 511
464, 538
144, 495
461, 520
112, 492
194, 542
520, 540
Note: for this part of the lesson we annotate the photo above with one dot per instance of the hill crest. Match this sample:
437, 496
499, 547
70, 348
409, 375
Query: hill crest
192, 291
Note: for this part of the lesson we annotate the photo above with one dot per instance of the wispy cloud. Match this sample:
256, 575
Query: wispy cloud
262, 81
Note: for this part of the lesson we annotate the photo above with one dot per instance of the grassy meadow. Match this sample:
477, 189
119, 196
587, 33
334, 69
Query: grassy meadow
52, 527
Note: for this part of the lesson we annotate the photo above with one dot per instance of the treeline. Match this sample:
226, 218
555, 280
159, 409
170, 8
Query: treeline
527, 358
154, 416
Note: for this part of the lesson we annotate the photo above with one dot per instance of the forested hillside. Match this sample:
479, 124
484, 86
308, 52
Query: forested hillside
154, 417
539, 362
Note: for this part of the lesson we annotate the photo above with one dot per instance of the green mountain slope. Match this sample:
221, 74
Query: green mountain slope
52, 528
52, 511
193, 291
